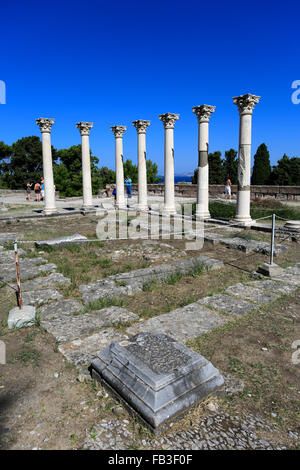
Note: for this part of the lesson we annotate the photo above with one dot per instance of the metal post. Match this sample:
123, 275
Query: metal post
272, 239
18, 275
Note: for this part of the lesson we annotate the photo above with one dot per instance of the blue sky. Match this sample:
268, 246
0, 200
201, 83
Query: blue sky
113, 63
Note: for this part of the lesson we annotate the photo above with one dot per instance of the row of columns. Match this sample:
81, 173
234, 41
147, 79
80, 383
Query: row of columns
245, 104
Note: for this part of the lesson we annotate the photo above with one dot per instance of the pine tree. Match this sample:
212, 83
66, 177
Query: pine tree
262, 166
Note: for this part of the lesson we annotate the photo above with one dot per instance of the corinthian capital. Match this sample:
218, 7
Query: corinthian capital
168, 120
203, 112
118, 130
141, 126
246, 103
45, 124
84, 127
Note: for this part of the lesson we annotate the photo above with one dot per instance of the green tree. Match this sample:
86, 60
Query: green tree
287, 172
130, 170
262, 166
230, 165
152, 170
25, 162
68, 174
216, 170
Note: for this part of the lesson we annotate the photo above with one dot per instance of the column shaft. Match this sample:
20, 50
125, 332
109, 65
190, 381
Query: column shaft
245, 105
142, 172
120, 173
244, 170
86, 173
169, 199
50, 203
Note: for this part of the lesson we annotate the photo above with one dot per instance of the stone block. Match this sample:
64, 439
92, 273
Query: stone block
19, 318
157, 378
61, 241
59, 309
47, 281
41, 296
181, 324
228, 304
83, 350
66, 328
251, 293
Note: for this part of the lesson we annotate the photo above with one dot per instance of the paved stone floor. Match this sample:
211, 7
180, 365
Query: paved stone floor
219, 431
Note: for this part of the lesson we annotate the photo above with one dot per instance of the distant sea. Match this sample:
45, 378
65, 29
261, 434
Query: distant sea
178, 179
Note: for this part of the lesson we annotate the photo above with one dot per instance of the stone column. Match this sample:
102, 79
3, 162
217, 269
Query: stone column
245, 104
203, 113
141, 128
45, 126
84, 129
118, 132
168, 120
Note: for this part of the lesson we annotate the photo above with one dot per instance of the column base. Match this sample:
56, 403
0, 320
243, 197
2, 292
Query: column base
121, 205
166, 212
270, 270
243, 221
202, 215
49, 211
142, 207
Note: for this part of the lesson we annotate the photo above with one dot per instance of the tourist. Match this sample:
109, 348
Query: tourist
128, 186
114, 193
28, 190
42, 189
37, 190
227, 188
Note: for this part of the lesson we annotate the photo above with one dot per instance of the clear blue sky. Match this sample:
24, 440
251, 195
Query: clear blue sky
115, 62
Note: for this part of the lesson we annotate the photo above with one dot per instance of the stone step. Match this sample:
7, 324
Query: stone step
41, 296
8, 256
28, 270
47, 281
274, 286
251, 293
181, 324
82, 351
227, 304
59, 309
134, 281
67, 328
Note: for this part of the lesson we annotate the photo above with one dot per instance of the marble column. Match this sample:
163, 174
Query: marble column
203, 113
118, 132
245, 104
84, 129
141, 128
45, 126
168, 120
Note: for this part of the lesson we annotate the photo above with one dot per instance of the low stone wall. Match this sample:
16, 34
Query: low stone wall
217, 190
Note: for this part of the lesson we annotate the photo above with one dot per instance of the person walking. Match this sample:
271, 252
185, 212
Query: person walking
128, 185
114, 193
227, 188
28, 190
37, 190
